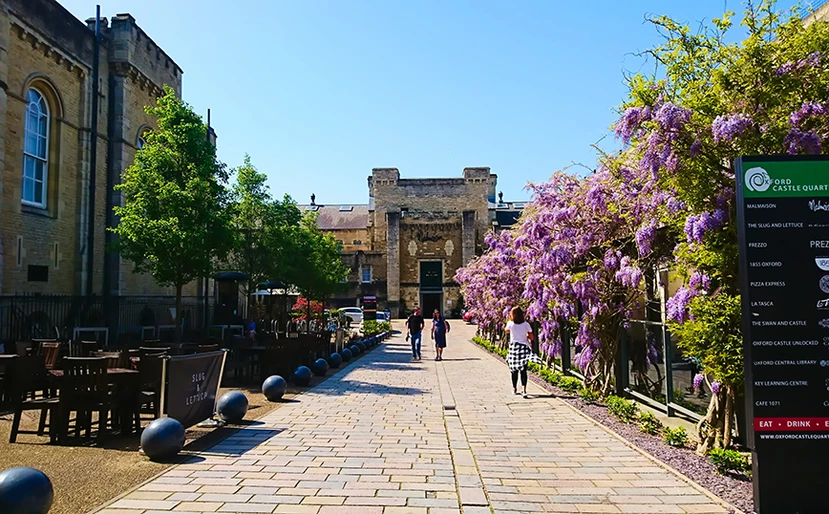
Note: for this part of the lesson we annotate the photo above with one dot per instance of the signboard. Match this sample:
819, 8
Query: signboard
370, 308
192, 382
783, 226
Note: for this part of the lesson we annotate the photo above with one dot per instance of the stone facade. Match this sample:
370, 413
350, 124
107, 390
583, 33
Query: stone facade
416, 235
43, 247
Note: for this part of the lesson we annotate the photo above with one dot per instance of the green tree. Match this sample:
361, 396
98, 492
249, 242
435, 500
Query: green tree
320, 271
174, 223
251, 210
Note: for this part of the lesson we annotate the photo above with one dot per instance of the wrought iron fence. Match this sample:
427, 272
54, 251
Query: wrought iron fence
46, 316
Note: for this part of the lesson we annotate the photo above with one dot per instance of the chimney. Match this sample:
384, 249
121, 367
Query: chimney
313, 198
90, 22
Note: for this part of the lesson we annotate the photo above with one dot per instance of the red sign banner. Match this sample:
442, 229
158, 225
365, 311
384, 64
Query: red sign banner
791, 424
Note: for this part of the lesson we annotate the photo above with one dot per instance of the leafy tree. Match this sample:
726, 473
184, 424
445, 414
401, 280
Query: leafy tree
174, 223
251, 209
319, 272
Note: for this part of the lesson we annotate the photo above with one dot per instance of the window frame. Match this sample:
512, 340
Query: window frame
363, 270
46, 112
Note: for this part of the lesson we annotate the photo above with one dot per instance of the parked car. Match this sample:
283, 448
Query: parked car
468, 317
355, 313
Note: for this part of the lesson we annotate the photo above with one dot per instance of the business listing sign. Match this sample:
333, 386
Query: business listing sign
783, 226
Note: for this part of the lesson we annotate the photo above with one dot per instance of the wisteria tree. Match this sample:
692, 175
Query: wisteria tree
764, 95
579, 253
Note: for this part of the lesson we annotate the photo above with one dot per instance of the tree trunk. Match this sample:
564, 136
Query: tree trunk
177, 319
715, 429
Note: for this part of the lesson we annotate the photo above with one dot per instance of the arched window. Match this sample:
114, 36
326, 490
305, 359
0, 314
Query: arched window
141, 142
35, 149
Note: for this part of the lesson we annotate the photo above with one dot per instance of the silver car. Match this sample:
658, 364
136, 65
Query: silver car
355, 313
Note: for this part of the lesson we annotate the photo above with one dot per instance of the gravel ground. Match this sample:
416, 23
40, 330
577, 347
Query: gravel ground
85, 477
736, 490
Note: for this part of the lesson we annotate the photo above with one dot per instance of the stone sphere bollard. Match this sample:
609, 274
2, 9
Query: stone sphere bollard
162, 439
362, 346
334, 360
232, 406
302, 376
346, 354
274, 388
355, 350
25, 491
320, 367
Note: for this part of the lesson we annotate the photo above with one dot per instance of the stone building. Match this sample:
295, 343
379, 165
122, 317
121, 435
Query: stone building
406, 244
46, 90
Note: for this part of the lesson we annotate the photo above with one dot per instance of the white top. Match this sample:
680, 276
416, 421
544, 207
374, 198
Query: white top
518, 333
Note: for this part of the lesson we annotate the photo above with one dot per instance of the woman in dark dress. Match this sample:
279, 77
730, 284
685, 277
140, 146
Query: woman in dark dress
439, 329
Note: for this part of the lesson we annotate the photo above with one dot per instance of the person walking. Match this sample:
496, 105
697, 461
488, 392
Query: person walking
415, 326
520, 352
440, 327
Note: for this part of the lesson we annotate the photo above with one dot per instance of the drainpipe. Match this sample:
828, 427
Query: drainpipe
93, 159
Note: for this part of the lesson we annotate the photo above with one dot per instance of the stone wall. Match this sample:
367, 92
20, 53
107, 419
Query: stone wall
43, 46
55, 59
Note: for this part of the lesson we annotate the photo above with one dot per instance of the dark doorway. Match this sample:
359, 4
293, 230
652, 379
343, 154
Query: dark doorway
431, 276
430, 302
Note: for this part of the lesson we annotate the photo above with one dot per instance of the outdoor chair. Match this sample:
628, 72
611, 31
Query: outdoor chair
204, 348
6, 361
50, 353
84, 389
27, 385
113, 359
150, 369
155, 351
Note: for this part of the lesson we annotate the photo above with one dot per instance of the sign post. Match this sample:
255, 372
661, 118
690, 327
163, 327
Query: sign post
191, 386
783, 230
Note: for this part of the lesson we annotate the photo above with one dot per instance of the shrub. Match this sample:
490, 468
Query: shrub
649, 424
729, 460
385, 326
677, 437
370, 327
624, 410
550, 376
570, 384
588, 395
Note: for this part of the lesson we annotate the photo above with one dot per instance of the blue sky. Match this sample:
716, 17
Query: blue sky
319, 92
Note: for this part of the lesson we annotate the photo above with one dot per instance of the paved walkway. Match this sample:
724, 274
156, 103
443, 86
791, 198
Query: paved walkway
391, 436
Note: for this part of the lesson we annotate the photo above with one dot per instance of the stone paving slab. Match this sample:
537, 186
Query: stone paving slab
392, 436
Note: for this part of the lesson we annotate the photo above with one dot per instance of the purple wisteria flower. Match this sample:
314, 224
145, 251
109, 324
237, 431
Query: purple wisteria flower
696, 146
629, 275
698, 378
806, 111
673, 117
715, 387
728, 127
784, 69
677, 305
697, 225
800, 141
611, 259
700, 281
644, 238
631, 121
674, 205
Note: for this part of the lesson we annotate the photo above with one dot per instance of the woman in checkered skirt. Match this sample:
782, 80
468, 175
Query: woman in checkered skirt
520, 352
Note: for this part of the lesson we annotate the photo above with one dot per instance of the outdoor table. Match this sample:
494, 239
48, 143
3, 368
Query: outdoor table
126, 382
